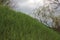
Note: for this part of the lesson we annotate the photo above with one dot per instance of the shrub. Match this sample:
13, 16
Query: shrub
3, 1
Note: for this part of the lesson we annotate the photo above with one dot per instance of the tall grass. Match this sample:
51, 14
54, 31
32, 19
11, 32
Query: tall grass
18, 26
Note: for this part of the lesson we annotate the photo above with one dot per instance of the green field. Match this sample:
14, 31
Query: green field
19, 26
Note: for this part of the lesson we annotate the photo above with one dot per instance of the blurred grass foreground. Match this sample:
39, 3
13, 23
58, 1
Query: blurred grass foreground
18, 26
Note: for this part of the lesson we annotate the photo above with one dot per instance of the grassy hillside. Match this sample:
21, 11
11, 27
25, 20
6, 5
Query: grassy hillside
18, 26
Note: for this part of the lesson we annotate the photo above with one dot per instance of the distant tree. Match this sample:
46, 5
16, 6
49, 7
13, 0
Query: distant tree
57, 22
48, 11
5, 2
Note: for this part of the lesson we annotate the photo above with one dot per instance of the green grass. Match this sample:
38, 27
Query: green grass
18, 26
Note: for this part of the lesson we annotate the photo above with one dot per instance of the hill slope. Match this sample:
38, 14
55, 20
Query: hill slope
18, 26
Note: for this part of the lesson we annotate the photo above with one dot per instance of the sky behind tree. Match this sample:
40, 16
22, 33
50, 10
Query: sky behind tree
26, 5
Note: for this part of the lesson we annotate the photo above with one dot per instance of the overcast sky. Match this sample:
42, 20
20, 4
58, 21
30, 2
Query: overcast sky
26, 5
